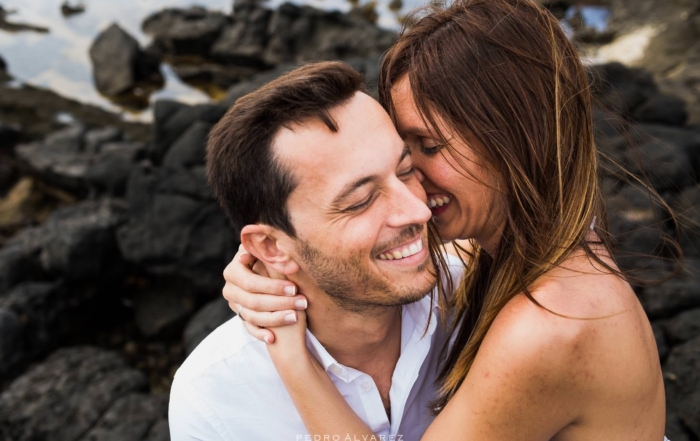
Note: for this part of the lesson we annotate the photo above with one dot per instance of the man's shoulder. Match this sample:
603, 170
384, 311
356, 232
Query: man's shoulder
225, 388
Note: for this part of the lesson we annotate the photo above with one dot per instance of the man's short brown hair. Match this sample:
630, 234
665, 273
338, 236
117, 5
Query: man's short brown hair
250, 184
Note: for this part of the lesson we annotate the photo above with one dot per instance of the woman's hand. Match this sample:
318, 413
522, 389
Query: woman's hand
263, 297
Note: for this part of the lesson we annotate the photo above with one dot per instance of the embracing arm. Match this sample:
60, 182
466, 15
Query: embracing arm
321, 406
521, 385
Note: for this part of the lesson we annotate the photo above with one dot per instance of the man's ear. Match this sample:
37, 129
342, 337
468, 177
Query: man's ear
269, 245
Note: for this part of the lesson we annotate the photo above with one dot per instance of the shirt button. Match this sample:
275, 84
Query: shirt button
366, 386
336, 370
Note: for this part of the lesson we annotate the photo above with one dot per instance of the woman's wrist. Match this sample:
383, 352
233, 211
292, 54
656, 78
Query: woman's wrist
295, 367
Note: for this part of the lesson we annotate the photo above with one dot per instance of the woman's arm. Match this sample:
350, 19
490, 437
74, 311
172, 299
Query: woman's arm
523, 384
321, 406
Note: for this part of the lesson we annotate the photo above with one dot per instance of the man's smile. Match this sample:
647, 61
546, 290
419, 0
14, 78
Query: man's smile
403, 252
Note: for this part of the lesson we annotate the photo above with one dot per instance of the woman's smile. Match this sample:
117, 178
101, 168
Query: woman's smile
439, 202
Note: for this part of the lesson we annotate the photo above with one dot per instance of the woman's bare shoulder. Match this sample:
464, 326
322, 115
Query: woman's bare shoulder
578, 321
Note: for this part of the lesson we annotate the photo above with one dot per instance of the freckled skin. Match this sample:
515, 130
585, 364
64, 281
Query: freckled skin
592, 374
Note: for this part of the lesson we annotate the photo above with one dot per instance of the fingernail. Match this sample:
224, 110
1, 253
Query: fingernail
267, 339
290, 290
301, 304
290, 318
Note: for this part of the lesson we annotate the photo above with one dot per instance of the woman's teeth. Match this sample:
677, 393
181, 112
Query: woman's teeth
401, 253
438, 201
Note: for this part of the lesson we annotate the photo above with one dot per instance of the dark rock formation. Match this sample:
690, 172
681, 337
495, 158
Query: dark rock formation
11, 26
119, 63
190, 31
131, 417
164, 309
663, 109
687, 206
661, 342
666, 155
678, 294
173, 119
256, 39
620, 88
68, 9
672, 52
682, 374
175, 227
10, 134
244, 40
69, 393
75, 242
210, 317
4, 75
685, 326
36, 110
188, 150
635, 223
77, 160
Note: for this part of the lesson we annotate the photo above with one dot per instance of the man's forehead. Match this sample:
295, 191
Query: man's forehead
365, 142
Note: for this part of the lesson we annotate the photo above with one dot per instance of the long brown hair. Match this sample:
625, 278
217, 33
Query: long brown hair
503, 75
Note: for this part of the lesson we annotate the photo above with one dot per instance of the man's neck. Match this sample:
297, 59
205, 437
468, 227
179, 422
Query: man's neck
366, 342
369, 341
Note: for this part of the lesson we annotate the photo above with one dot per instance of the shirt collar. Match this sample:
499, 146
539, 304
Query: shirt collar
419, 313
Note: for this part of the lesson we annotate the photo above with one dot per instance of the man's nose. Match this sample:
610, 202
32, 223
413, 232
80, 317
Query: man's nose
408, 205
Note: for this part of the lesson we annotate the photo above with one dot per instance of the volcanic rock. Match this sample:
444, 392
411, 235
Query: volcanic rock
120, 64
190, 31
131, 417
66, 395
207, 319
682, 374
175, 228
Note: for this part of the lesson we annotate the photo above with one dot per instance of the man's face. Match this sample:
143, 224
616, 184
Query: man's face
358, 210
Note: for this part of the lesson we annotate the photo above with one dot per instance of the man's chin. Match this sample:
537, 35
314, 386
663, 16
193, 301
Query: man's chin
411, 294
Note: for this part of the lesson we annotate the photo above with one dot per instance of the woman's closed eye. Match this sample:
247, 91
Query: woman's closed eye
430, 147
407, 174
425, 145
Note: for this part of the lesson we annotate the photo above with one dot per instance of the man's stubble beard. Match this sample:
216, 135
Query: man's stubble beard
353, 287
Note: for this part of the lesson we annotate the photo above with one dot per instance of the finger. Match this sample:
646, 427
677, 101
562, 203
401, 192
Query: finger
269, 319
244, 257
264, 335
241, 275
262, 302
256, 284
260, 269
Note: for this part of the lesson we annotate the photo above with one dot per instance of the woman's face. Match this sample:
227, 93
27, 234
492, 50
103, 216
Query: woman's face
461, 192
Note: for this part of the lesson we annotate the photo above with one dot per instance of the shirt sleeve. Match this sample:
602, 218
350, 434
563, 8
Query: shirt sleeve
190, 418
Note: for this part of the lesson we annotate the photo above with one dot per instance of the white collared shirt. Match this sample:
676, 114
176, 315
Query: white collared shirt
228, 388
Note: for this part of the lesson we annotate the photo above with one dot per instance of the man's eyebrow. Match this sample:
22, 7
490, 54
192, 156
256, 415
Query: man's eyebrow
350, 188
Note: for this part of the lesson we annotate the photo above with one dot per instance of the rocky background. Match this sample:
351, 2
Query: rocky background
112, 247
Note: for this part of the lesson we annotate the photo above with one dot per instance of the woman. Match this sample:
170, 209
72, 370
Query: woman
549, 340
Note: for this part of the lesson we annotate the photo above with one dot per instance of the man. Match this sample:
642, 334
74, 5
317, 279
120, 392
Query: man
311, 171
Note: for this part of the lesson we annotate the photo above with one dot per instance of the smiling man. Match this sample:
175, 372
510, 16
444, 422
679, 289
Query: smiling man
311, 171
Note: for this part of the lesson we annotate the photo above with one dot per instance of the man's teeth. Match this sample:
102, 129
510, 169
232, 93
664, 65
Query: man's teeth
407, 251
439, 201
